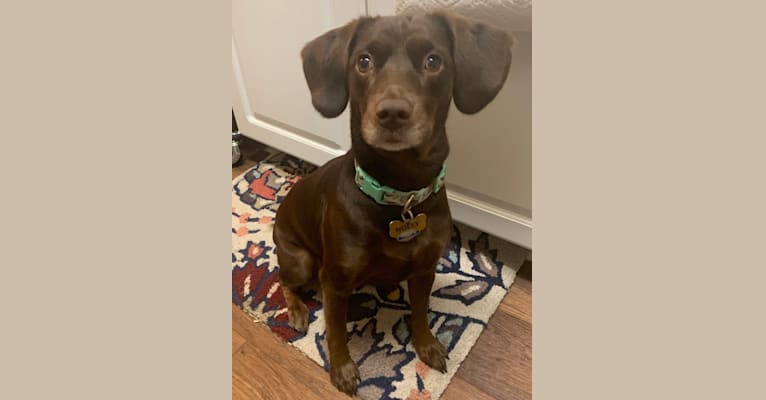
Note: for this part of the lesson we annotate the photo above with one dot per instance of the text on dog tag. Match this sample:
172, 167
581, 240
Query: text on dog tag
405, 230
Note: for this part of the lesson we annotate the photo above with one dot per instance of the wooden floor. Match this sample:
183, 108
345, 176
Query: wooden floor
499, 366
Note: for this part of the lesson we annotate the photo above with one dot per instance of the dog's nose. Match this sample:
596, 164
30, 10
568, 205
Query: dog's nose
393, 113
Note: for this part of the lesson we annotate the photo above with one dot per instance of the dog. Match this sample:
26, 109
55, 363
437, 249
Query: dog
379, 213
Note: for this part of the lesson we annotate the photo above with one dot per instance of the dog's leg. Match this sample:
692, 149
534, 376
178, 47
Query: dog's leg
343, 371
429, 350
295, 270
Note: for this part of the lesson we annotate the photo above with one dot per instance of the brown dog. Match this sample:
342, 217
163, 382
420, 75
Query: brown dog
400, 75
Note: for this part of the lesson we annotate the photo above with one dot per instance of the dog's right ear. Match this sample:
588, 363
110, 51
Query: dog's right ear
324, 66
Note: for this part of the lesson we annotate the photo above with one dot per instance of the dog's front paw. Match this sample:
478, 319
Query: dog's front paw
298, 317
433, 353
345, 377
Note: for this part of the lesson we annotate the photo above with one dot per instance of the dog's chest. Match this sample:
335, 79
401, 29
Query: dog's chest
395, 262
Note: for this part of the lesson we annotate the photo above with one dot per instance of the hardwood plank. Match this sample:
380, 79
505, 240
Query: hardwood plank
254, 377
460, 389
236, 341
262, 372
500, 364
267, 368
244, 325
518, 301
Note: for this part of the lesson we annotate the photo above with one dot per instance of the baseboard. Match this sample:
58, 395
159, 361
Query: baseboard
496, 221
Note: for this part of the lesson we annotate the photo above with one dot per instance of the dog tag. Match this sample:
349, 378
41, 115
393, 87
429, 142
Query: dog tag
404, 231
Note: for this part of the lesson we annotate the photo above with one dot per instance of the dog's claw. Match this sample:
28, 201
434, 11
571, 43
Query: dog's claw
298, 318
433, 354
345, 377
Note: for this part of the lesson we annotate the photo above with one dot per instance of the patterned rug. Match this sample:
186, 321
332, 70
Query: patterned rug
472, 278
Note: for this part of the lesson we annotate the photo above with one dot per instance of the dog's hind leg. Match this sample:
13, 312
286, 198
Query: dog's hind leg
295, 271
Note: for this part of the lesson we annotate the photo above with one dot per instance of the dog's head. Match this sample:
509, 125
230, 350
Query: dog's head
402, 72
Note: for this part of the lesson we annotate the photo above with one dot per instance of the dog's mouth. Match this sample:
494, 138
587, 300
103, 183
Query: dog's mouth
391, 140
389, 136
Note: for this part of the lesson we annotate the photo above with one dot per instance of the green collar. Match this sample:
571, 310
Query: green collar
387, 195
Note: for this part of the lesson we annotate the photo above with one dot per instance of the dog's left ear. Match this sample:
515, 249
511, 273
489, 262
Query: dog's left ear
482, 57
324, 66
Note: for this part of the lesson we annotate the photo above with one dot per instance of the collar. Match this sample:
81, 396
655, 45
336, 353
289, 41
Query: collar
387, 195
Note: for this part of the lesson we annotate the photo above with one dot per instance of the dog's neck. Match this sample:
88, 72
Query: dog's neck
405, 170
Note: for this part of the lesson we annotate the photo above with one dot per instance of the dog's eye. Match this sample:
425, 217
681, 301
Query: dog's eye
364, 64
433, 63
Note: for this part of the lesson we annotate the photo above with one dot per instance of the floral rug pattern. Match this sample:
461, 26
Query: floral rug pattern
473, 276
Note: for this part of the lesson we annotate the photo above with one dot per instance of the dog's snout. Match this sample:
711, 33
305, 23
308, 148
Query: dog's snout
393, 113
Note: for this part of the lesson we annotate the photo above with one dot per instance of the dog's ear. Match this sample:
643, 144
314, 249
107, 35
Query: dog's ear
324, 66
482, 57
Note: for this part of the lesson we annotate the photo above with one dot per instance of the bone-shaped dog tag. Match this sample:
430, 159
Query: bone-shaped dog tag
407, 229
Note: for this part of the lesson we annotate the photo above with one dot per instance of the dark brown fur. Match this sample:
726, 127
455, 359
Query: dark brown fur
326, 228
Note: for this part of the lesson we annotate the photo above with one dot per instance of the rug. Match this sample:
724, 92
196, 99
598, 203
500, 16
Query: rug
473, 276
